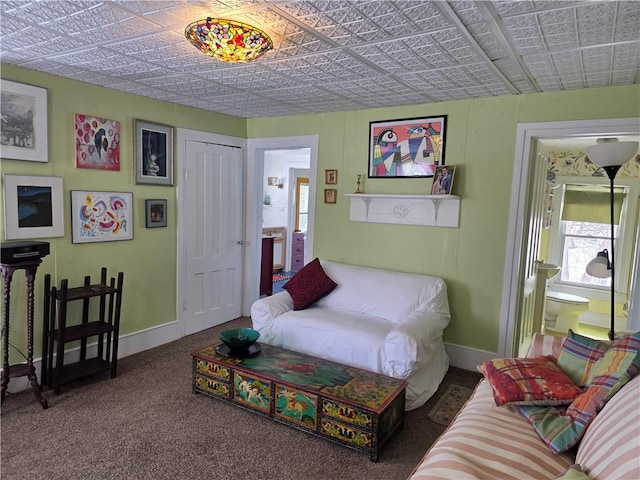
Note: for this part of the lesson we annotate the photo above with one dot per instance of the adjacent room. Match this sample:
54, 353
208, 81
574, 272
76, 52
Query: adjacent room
308, 239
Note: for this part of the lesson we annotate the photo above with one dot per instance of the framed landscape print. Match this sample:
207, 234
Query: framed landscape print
153, 153
156, 213
24, 122
412, 147
97, 143
101, 216
32, 207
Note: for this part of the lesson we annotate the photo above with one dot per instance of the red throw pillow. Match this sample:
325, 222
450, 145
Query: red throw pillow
309, 285
529, 381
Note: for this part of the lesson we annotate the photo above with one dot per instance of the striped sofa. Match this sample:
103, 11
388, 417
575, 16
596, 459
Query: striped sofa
489, 442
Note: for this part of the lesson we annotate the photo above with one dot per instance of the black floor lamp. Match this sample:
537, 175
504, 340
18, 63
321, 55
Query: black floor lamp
610, 154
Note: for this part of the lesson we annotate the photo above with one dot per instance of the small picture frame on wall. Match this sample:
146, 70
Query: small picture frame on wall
153, 153
272, 181
330, 195
24, 122
331, 177
156, 212
443, 180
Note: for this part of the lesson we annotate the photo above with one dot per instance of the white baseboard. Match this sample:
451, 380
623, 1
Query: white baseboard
459, 356
127, 345
465, 357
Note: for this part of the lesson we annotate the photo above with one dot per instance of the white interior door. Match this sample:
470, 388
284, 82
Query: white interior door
531, 305
213, 230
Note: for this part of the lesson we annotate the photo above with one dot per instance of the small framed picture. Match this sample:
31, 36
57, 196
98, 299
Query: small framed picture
330, 195
443, 180
153, 153
331, 177
272, 181
156, 213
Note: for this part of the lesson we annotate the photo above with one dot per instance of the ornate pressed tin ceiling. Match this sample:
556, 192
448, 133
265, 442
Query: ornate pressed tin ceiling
330, 55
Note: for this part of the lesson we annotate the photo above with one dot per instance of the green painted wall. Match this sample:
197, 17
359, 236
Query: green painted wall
149, 260
480, 140
481, 137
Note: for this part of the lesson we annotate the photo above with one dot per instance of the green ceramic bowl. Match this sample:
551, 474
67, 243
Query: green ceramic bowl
239, 339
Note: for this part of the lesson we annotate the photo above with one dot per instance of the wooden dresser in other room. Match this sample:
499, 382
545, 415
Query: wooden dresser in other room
297, 251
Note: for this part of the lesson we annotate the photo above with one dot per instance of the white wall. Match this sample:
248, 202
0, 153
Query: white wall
277, 164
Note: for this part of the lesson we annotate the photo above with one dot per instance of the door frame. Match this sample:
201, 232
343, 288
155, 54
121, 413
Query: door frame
527, 134
294, 174
254, 174
183, 136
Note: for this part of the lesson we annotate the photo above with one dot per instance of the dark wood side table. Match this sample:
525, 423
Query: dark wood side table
20, 370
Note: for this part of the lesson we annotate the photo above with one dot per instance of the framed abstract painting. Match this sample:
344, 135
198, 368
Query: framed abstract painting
101, 216
97, 143
411, 147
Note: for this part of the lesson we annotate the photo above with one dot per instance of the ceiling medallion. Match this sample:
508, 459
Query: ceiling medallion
228, 40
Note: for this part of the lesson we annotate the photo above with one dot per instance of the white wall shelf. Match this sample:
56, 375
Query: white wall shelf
429, 210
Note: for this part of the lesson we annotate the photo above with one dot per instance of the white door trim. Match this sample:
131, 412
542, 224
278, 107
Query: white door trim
182, 137
253, 203
527, 133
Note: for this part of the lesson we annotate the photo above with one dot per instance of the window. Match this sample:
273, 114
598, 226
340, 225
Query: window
581, 227
581, 242
302, 204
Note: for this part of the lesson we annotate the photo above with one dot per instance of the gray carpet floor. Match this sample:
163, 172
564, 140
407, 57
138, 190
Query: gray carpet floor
147, 424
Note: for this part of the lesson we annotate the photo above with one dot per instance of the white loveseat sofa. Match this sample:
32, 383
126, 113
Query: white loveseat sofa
378, 320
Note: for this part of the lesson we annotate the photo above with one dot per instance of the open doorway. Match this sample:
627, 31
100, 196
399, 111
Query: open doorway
522, 249
286, 153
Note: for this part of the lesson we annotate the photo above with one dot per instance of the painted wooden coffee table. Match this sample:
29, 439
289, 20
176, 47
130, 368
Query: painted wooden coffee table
349, 406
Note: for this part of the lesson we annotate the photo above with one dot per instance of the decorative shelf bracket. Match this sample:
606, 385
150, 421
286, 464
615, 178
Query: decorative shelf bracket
428, 210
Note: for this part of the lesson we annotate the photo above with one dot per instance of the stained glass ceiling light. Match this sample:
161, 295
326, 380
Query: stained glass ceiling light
227, 40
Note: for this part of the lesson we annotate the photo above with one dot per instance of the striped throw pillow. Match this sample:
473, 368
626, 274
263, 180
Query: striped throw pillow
609, 448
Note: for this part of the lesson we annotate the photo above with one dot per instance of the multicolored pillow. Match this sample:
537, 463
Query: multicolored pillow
574, 472
309, 285
578, 355
528, 381
561, 429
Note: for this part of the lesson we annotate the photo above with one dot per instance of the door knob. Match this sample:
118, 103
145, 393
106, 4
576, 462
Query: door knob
240, 242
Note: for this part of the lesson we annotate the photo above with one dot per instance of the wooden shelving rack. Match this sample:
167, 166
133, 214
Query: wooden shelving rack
56, 332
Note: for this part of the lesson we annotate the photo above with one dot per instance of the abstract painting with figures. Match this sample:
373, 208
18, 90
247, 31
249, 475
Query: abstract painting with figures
97, 143
443, 180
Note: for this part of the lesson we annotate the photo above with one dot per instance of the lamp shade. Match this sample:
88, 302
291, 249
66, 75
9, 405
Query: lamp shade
600, 267
610, 152
228, 40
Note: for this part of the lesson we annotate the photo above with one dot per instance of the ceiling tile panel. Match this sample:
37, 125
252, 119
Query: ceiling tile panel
329, 54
